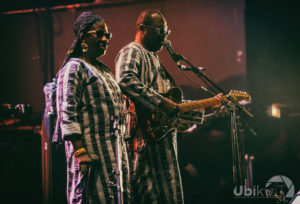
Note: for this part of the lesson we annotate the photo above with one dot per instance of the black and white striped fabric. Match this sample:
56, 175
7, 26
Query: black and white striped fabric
156, 176
89, 103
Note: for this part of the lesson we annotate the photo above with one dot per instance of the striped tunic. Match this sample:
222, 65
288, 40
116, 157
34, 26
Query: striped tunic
89, 103
156, 176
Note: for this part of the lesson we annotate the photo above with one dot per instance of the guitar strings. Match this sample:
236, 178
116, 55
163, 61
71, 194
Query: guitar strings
202, 87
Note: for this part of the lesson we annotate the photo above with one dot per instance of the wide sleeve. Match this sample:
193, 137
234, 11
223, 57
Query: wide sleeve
128, 74
69, 92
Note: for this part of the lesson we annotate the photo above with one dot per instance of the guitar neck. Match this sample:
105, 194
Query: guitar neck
194, 105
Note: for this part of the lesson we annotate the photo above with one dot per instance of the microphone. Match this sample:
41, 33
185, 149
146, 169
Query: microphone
185, 68
167, 44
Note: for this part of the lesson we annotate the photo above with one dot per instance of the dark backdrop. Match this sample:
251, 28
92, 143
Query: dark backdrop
208, 33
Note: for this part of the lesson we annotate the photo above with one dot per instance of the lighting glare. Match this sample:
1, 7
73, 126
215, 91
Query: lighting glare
275, 111
191, 129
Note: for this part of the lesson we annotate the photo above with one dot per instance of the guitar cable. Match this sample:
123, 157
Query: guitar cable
202, 87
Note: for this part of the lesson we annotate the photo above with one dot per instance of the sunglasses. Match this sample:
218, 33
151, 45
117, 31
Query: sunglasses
161, 30
100, 34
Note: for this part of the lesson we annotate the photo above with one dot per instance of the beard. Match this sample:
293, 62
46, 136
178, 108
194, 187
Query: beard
153, 44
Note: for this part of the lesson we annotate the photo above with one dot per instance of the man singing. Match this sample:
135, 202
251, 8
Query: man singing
156, 174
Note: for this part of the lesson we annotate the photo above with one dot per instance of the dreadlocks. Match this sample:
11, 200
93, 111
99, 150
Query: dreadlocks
82, 24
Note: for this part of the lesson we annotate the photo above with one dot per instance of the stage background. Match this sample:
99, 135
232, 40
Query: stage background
248, 45
209, 34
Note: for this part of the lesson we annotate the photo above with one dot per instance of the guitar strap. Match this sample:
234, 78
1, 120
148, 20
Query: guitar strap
164, 72
173, 83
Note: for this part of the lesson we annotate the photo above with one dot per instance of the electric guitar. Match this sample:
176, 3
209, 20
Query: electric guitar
156, 126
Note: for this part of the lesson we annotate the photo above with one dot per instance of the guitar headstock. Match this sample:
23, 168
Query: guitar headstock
240, 95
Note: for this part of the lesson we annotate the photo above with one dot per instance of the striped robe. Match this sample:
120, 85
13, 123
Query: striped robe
156, 176
89, 104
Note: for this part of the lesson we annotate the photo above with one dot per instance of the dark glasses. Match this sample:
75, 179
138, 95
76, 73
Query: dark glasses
100, 34
161, 30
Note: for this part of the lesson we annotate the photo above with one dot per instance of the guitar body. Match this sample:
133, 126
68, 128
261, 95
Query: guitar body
156, 126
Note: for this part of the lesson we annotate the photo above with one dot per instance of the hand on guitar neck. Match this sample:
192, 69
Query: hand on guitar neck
156, 126
219, 98
169, 106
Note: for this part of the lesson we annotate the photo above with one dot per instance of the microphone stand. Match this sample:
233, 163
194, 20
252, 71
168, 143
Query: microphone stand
206, 79
236, 152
